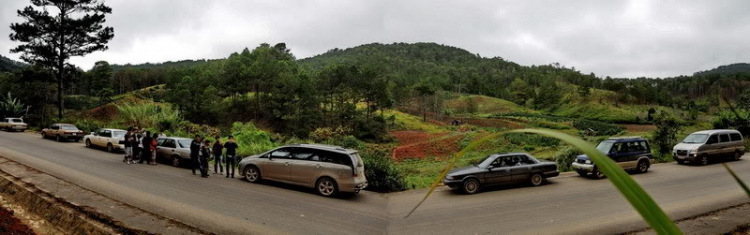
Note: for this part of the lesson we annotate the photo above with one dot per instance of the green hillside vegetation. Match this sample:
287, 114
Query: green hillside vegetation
9, 65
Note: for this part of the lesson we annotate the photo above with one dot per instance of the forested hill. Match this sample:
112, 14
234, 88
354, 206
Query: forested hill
727, 69
168, 64
9, 65
445, 67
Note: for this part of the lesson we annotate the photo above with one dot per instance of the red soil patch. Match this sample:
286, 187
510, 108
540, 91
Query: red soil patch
437, 148
412, 137
106, 112
638, 128
11, 225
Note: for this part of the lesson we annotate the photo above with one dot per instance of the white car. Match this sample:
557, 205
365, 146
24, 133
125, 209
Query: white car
106, 138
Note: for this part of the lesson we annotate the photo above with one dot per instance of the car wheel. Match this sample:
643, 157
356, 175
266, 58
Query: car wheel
737, 155
88, 143
252, 174
582, 173
110, 148
704, 160
597, 173
176, 161
471, 186
536, 179
58, 139
643, 166
326, 186
680, 162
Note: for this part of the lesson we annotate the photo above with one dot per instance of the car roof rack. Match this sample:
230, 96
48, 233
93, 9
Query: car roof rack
625, 137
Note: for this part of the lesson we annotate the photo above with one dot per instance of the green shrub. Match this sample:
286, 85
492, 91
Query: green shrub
565, 157
381, 175
80, 102
88, 126
148, 115
665, 135
530, 139
250, 139
729, 120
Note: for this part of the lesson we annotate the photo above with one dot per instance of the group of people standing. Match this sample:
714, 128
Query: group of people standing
201, 152
140, 145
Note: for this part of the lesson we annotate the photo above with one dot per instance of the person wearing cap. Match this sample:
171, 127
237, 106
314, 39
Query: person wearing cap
195, 148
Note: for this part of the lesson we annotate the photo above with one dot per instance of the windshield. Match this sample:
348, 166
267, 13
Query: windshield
604, 146
481, 161
17, 120
118, 134
695, 139
185, 143
69, 127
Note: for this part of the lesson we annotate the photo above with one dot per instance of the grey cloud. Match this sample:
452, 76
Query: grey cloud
610, 38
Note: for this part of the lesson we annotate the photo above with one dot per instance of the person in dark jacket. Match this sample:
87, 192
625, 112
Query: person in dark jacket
205, 155
128, 146
195, 148
146, 151
231, 147
217, 149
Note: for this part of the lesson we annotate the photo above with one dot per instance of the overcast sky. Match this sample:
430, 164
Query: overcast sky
609, 38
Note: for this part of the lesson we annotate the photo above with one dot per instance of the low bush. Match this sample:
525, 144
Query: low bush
381, 175
565, 157
250, 139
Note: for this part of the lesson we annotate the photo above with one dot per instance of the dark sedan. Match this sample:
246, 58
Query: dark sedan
500, 169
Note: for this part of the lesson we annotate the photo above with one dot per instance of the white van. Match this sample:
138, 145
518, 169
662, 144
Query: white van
704, 146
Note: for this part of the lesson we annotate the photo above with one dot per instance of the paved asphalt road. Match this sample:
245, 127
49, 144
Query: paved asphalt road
568, 204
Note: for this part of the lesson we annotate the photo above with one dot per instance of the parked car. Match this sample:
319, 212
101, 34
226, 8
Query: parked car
173, 149
630, 153
704, 146
63, 131
13, 124
500, 169
106, 138
328, 169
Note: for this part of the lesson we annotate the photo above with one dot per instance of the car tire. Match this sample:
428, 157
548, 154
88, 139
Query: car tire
325, 186
643, 166
176, 161
703, 160
582, 173
536, 179
58, 138
252, 174
110, 148
597, 174
470, 186
737, 155
88, 143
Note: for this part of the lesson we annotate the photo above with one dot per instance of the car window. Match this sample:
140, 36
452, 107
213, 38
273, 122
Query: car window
118, 134
735, 137
713, 139
69, 127
281, 153
335, 158
303, 154
500, 162
55, 127
618, 148
17, 120
724, 138
605, 146
159, 141
525, 160
107, 133
184, 143
170, 143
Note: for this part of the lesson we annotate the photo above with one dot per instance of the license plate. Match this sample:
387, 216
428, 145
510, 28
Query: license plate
75, 133
681, 157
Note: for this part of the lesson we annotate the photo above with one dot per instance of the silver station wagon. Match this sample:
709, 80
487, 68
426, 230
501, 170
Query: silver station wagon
704, 146
328, 169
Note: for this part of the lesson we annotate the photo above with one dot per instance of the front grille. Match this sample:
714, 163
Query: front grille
682, 152
581, 161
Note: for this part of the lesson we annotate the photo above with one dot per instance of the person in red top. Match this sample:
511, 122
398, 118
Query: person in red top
154, 142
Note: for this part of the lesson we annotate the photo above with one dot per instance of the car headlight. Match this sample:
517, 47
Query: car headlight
450, 177
588, 161
693, 151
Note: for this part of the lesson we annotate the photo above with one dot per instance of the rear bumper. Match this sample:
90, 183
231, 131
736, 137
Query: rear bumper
551, 174
353, 186
18, 128
582, 167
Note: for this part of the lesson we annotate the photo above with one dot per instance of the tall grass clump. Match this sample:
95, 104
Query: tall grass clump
146, 115
565, 157
250, 139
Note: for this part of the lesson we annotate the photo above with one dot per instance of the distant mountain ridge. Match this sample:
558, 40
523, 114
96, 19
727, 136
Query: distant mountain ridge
9, 65
729, 69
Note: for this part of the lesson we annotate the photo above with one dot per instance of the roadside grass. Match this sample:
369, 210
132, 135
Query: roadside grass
485, 105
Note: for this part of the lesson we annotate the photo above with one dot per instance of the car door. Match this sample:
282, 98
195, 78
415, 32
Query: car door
725, 144
278, 165
167, 148
104, 138
53, 130
499, 171
306, 166
712, 144
521, 168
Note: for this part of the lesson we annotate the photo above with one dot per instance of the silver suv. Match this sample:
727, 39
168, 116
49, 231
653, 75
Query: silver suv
328, 169
703, 146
